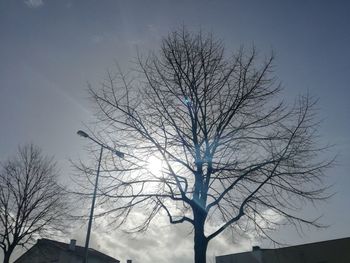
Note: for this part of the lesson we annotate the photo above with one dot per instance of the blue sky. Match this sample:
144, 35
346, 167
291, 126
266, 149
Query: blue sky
49, 50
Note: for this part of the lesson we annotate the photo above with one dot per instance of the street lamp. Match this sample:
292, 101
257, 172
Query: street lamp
119, 154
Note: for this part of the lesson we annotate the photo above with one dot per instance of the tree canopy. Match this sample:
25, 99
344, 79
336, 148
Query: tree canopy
31, 201
232, 152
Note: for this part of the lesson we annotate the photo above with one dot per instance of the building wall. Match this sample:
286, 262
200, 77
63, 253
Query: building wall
69, 257
333, 251
337, 251
251, 257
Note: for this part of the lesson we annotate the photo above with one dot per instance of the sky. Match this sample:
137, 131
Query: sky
50, 50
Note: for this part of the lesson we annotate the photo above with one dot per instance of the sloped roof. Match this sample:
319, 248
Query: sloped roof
79, 251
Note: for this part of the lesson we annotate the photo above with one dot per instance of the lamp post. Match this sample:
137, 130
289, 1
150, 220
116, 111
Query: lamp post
119, 154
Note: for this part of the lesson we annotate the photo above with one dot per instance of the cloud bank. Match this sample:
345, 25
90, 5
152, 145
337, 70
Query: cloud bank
34, 3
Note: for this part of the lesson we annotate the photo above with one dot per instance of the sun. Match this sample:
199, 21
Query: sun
155, 165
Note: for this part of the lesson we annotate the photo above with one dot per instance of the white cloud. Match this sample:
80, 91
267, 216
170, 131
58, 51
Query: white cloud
268, 218
162, 242
34, 3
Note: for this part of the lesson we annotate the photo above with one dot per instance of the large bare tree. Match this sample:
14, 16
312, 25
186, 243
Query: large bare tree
232, 153
31, 202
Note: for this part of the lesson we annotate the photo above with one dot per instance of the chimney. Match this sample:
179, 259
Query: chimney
256, 248
128, 261
257, 254
72, 244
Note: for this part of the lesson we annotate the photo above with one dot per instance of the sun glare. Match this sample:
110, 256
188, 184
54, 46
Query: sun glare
155, 165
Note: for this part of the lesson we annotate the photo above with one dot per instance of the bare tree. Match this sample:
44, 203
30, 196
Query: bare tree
31, 202
232, 153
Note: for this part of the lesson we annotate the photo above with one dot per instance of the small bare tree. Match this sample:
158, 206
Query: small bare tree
31, 202
233, 155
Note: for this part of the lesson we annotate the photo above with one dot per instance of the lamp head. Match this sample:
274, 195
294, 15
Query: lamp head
82, 134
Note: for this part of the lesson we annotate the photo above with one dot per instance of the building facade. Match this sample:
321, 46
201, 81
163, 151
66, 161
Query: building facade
51, 251
330, 251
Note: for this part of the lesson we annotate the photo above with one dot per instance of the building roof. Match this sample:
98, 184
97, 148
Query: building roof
78, 250
335, 250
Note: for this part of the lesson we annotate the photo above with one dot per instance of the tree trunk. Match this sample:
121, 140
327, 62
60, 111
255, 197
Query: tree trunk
8, 253
200, 241
7, 256
200, 248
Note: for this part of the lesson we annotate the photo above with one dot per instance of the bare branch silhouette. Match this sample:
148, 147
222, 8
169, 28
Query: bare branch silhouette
31, 202
230, 149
